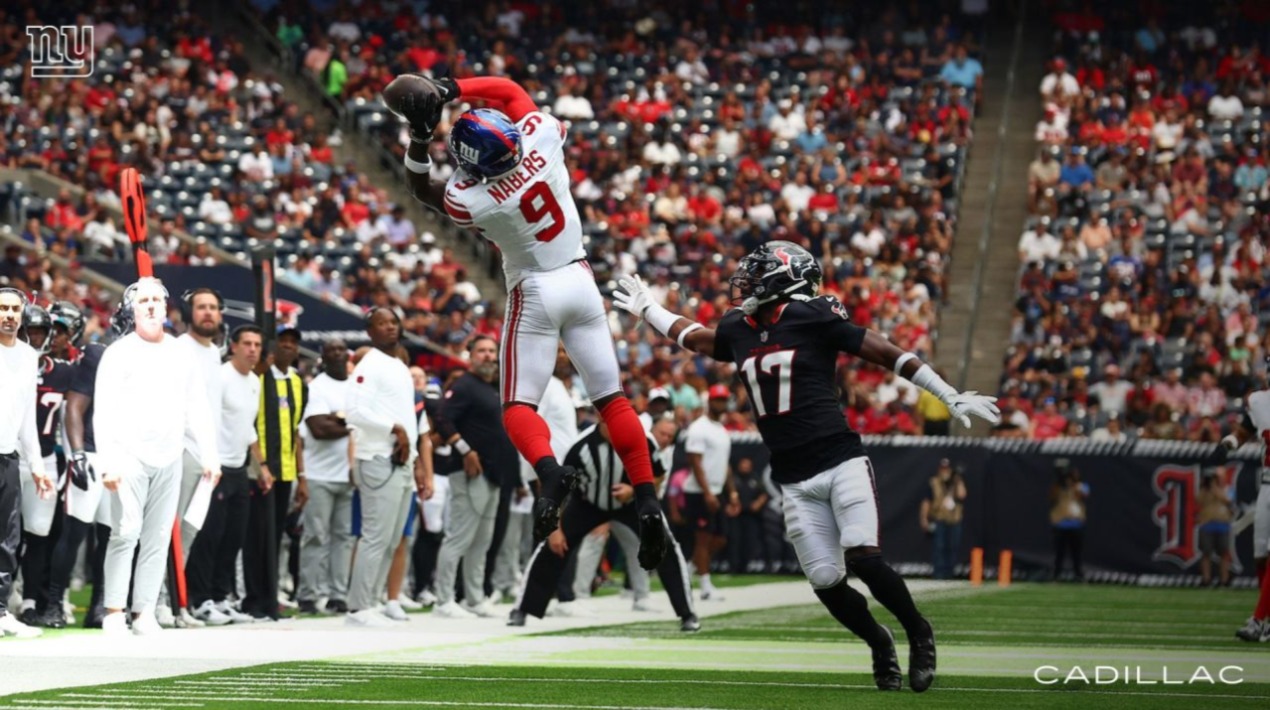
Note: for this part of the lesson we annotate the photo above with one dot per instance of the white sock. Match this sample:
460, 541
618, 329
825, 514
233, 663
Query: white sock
704, 582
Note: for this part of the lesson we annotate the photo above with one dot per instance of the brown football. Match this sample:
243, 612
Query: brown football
412, 97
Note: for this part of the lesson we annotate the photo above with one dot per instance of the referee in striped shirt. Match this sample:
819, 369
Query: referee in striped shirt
607, 497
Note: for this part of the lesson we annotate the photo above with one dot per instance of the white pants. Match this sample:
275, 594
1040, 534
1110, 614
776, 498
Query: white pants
1261, 522
92, 505
541, 310
37, 512
145, 509
828, 513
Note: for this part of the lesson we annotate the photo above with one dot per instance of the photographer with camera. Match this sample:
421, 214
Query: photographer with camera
1216, 510
941, 516
1067, 516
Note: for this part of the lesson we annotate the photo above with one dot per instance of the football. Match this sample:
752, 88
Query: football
414, 98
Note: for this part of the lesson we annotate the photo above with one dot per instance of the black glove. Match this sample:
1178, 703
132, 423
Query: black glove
80, 470
449, 88
417, 100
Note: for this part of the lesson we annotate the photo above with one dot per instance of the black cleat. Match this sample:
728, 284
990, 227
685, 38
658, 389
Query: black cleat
921, 659
53, 618
573, 480
517, 618
546, 517
886, 665
308, 606
690, 624
654, 541
92, 620
336, 606
30, 617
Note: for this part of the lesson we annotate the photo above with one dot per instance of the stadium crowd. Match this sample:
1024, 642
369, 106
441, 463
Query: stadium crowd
1143, 298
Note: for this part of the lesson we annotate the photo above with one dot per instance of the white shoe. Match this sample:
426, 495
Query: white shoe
427, 598
286, 603
186, 620
10, 626
393, 610
408, 604
451, 610
485, 609
146, 624
369, 618
68, 612
569, 609
711, 595
644, 605
235, 617
210, 615
115, 624
164, 616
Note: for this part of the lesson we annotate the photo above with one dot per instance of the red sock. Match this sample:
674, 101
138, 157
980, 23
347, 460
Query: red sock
528, 432
628, 437
1263, 600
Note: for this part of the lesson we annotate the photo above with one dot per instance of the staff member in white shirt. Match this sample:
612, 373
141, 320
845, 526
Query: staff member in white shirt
326, 549
211, 571
150, 393
19, 367
709, 449
381, 412
201, 308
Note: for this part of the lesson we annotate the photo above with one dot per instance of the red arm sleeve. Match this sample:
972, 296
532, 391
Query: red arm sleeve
515, 100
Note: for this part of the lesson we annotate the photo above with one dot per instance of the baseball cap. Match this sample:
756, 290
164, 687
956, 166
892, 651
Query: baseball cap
719, 392
658, 393
284, 329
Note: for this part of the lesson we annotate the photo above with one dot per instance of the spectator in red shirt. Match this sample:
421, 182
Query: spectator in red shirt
279, 134
63, 214
1048, 423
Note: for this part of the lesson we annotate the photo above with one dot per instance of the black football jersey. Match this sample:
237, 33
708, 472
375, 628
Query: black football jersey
84, 382
788, 369
50, 391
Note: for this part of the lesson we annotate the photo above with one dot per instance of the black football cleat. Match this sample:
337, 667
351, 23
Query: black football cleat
886, 665
690, 624
921, 659
336, 606
92, 620
654, 540
517, 618
53, 617
307, 606
573, 480
546, 517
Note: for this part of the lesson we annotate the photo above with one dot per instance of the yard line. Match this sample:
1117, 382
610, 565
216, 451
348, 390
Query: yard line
411, 702
217, 682
105, 702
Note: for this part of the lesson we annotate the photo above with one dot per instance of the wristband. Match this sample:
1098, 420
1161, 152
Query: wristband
684, 333
927, 379
903, 358
1230, 441
462, 447
660, 318
417, 167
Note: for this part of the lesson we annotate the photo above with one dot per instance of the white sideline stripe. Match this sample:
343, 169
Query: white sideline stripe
102, 702
217, 682
404, 701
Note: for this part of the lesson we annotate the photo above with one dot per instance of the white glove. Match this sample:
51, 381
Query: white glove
634, 298
964, 404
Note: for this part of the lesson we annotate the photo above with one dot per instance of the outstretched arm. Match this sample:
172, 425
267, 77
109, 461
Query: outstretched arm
514, 100
635, 298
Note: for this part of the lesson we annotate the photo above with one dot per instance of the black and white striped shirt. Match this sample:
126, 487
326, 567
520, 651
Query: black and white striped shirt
595, 456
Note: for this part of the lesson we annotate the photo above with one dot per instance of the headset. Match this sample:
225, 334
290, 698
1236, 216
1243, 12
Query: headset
187, 301
375, 309
20, 293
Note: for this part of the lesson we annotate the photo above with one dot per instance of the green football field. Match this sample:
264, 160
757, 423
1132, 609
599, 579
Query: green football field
991, 642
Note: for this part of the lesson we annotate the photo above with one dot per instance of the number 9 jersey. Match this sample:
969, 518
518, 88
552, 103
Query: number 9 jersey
529, 212
789, 369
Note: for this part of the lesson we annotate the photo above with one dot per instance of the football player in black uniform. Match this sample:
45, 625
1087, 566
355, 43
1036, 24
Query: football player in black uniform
785, 342
41, 517
86, 501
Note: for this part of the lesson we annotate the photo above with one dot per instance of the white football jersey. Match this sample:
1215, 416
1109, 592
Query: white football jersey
530, 213
1259, 417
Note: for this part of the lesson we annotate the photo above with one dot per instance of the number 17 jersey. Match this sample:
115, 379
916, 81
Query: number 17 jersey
528, 213
789, 368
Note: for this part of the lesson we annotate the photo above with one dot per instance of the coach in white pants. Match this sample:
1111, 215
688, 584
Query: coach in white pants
381, 412
150, 393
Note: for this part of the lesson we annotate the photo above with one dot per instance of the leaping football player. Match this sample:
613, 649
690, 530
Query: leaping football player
512, 186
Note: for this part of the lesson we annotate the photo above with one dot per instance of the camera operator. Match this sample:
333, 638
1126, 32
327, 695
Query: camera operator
1216, 510
1067, 516
941, 517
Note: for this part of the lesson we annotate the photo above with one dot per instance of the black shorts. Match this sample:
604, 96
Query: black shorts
699, 517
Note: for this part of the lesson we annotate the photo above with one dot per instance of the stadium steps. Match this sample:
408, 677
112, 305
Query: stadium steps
357, 148
984, 272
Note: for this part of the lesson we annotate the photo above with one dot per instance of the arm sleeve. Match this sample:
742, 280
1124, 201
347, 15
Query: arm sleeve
515, 100
846, 336
361, 397
198, 420
27, 431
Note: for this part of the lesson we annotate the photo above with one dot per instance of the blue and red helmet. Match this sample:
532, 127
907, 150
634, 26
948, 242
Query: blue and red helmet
486, 144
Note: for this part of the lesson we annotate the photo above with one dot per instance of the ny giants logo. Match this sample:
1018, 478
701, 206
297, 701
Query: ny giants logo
1177, 488
467, 153
65, 52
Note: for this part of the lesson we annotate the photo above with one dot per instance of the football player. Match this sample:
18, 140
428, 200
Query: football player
1256, 425
785, 342
512, 185
52, 337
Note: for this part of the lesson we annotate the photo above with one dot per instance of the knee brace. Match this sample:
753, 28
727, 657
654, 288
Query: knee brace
824, 576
